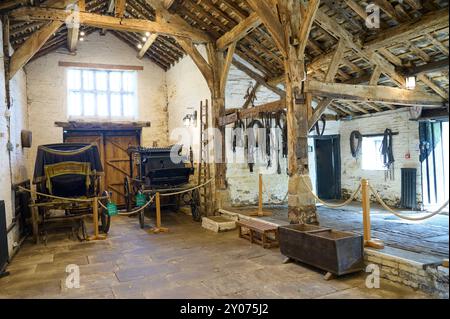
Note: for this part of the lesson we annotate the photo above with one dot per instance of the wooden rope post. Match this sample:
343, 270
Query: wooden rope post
158, 228
260, 212
368, 241
96, 236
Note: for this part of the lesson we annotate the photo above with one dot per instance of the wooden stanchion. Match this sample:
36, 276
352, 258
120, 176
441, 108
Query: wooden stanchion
96, 236
368, 240
260, 212
158, 229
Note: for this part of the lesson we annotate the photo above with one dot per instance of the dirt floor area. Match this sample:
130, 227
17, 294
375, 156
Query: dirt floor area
428, 237
188, 262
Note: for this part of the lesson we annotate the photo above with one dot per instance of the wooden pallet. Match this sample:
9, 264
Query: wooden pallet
257, 232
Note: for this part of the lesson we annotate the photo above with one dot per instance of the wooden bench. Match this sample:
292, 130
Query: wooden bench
258, 232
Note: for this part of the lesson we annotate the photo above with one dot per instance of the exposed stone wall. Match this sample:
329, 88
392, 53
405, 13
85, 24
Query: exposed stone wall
406, 142
16, 172
431, 279
47, 90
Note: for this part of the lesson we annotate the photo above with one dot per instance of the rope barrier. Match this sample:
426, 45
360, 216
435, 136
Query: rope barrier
383, 203
135, 211
188, 190
77, 200
330, 205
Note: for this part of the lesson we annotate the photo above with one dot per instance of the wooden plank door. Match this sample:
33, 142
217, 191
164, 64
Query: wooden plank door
117, 163
89, 138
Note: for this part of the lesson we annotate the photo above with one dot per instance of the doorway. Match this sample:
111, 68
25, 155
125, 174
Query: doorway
434, 158
112, 147
328, 166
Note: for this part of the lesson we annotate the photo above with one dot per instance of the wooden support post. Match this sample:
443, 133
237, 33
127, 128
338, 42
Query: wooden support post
35, 222
368, 241
260, 212
158, 229
96, 236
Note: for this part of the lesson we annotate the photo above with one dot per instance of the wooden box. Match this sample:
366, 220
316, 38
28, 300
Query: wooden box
333, 251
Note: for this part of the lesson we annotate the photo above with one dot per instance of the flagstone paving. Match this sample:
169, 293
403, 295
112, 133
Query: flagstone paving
189, 262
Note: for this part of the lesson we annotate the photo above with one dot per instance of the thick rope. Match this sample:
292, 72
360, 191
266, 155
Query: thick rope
134, 211
187, 190
330, 205
77, 200
381, 201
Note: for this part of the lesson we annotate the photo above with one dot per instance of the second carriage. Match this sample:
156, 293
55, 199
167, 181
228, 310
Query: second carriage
164, 171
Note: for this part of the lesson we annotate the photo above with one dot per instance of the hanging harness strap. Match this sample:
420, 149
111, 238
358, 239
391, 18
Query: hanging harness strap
237, 135
252, 142
387, 149
355, 149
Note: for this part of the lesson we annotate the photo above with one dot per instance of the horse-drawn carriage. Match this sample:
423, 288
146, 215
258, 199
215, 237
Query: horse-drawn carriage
164, 171
67, 178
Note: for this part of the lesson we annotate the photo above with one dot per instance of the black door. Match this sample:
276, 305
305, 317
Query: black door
328, 167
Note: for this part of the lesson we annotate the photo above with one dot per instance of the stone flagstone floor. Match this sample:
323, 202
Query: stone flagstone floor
188, 263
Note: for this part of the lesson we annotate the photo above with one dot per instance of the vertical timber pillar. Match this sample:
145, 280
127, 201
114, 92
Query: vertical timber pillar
221, 195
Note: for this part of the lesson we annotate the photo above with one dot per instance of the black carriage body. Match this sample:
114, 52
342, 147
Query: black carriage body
161, 168
68, 185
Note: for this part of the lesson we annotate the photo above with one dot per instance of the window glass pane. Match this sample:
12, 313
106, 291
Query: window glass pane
128, 105
89, 104
88, 80
115, 81
102, 105
74, 79
116, 105
129, 81
371, 153
101, 80
74, 104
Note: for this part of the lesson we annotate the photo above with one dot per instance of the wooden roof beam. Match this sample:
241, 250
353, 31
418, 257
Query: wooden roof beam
31, 46
150, 40
119, 8
258, 78
199, 60
367, 93
239, 31
264, 11
172, 28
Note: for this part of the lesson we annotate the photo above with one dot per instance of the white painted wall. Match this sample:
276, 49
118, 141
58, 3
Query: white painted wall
16, 172
407, 142
47, 95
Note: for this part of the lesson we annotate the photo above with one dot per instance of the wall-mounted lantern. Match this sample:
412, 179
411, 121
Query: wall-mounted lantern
190, 120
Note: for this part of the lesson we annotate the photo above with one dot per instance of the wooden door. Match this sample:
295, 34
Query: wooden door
89, 138
117, 163
112, 147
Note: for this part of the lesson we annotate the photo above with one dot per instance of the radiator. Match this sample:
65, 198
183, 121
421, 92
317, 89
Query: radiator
3, 238
409, 188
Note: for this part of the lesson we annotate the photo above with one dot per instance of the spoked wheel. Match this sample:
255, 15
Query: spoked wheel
195, 206
142, 219
127, 192
105, 219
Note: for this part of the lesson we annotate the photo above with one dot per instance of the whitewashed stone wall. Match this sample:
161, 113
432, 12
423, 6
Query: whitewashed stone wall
47, 93
407, 142
16, 172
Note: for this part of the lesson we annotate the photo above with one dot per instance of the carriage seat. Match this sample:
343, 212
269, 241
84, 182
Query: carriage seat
69, 179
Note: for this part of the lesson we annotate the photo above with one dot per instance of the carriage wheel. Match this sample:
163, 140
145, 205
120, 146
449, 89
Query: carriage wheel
127, 192
195, 206
142, 219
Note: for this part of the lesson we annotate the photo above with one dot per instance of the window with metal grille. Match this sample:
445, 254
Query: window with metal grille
101, 94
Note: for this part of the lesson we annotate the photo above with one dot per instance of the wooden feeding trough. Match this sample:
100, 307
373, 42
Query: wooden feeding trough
336, 252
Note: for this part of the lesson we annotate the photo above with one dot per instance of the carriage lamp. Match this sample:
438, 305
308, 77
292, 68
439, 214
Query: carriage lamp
190, 120
411, 82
